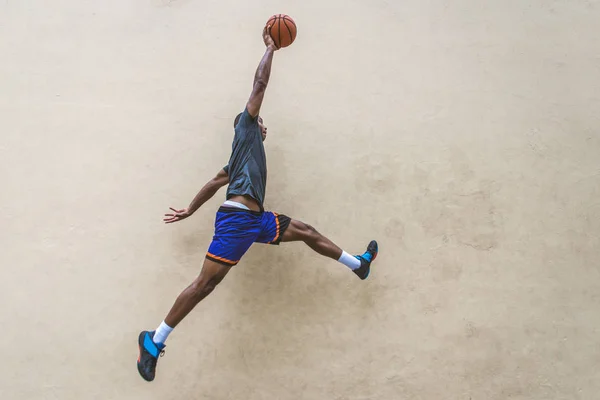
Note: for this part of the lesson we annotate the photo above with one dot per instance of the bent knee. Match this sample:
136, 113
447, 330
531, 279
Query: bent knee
202, 287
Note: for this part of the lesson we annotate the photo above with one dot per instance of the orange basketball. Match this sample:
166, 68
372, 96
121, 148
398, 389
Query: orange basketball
283, 30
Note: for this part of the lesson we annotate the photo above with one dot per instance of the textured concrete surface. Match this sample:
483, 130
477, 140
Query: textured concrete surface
463, 135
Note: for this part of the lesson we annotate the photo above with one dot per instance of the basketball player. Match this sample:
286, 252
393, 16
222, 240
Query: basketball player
241, 219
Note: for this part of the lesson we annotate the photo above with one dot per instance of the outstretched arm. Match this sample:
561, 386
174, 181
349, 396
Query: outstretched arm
261, 77
207, 191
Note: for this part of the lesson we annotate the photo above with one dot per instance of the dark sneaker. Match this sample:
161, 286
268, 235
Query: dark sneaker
365, 260
149, 353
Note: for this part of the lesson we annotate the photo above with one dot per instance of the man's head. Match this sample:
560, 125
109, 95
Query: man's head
261, 125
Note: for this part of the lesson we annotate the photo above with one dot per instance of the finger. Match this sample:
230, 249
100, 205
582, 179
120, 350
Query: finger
172, 209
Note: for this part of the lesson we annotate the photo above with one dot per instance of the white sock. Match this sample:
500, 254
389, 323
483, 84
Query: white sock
349, 261
162, 332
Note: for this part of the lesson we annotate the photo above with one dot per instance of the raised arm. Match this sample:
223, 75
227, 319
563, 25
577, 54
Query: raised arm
207, 191
261, 77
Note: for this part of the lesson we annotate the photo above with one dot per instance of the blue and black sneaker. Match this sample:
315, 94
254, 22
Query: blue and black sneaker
365, 260
149, 353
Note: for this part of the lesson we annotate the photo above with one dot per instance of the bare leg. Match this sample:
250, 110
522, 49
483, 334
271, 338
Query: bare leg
211, 275
299, 231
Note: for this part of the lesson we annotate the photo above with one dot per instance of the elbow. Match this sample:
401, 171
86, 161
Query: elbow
260, 85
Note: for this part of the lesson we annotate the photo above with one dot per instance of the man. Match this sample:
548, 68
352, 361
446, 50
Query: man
241, 220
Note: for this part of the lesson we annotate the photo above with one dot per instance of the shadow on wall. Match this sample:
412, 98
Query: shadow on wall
285, 303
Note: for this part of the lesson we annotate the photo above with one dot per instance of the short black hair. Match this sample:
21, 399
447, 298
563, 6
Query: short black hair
237, 119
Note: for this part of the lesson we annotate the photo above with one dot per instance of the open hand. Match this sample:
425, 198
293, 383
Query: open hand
269, 42
177, 216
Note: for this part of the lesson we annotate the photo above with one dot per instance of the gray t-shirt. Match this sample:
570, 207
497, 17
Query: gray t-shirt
247, 168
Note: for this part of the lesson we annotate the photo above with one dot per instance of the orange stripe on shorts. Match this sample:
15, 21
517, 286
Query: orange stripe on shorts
276, 234
222, 259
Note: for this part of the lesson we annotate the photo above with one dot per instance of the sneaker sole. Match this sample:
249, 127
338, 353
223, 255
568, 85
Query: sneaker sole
140, 349
140, 344
376, 252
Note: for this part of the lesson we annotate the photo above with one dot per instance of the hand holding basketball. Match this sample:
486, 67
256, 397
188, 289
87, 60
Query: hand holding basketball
269, 42
282, 30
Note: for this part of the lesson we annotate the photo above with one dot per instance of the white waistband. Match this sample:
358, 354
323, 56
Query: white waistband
235, 204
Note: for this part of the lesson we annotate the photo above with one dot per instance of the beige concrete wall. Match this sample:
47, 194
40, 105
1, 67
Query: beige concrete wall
463, 135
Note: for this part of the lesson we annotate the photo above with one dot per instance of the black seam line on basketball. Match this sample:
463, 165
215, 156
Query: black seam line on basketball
279, 29
289, 31
293, 23
289, 19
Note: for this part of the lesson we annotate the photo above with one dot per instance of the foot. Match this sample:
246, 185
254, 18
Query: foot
149, 353
365, 260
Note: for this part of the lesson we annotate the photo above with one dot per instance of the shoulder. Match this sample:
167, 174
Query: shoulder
247, 120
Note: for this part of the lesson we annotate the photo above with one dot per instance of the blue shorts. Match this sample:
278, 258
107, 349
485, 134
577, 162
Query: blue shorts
237, 229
